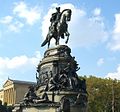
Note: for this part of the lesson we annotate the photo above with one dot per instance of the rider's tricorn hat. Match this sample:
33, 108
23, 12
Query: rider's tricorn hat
58, 8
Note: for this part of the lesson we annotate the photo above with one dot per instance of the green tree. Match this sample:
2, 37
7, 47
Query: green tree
100, 94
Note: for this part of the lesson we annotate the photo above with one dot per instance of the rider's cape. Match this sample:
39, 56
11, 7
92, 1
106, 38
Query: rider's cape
53, 18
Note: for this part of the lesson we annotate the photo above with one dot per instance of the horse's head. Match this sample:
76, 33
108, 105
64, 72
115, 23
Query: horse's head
66, 15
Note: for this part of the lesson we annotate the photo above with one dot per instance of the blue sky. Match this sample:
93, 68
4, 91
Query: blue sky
94, 36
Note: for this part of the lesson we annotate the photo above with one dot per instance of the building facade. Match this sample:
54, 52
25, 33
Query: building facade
1, 95
14, 90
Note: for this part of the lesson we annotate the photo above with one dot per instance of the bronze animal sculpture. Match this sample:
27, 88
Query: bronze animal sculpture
60, 29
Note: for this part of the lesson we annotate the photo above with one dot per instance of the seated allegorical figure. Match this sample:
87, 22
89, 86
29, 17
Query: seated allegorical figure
53, 83
30, 95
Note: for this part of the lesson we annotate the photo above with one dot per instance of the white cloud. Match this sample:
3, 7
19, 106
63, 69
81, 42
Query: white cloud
6, 20
100, 61
21, 12
114, 75
16, 26
87, 31
18, 61
0, 34
12, 25
30, 14
84, 30
97, 11
18, 66
117, 23
114, 44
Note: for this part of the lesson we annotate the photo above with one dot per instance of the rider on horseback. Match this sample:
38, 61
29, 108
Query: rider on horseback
55, 19
58, 27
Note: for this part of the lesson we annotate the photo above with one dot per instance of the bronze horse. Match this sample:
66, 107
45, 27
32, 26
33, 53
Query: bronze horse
61, 29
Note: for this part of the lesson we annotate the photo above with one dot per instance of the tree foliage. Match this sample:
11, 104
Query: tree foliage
103, 94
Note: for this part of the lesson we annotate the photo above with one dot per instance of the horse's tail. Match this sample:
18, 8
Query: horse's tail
45, 42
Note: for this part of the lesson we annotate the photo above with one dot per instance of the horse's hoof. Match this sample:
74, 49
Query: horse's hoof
66, 42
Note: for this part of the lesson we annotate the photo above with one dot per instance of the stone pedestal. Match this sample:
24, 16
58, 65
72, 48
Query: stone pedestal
55, 59
46, 108
58, 88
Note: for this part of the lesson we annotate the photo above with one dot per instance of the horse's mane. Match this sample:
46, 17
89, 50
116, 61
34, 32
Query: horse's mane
64, 11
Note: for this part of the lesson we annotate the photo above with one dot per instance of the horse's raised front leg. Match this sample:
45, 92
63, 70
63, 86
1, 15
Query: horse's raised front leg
67, 34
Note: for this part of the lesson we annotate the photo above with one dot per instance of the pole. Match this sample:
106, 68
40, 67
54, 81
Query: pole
113, 97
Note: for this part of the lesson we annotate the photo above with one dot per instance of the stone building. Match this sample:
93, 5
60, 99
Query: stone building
14, 90
1, 95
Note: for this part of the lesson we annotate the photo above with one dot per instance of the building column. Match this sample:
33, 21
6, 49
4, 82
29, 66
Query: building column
4, 98
12, 94
8, 96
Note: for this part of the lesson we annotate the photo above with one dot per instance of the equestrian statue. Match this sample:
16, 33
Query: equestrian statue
59, 27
